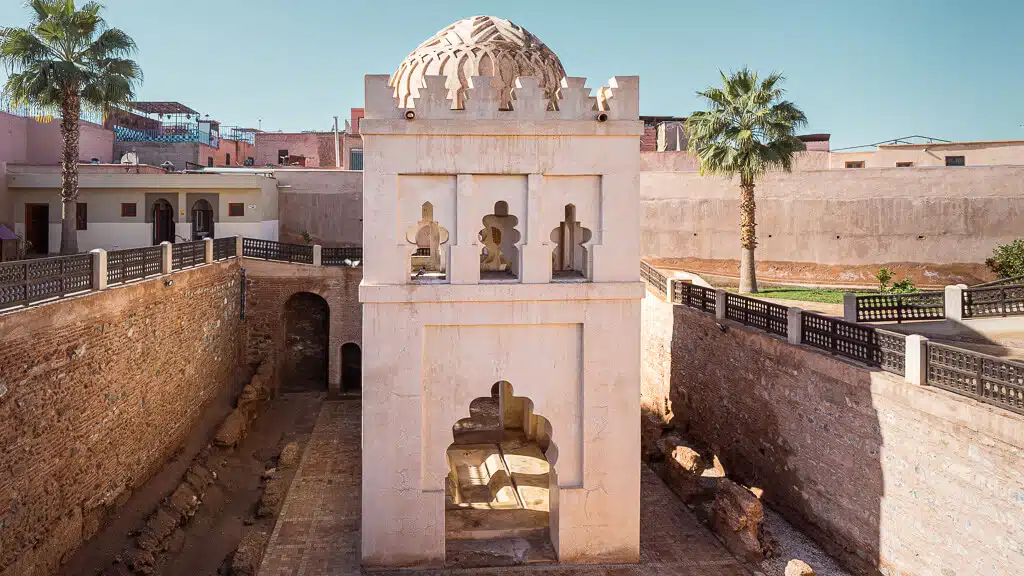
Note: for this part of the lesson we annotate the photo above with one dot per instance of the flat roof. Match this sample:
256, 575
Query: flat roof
161, 108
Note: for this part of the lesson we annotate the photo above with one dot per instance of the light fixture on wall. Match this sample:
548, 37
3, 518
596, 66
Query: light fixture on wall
168, 282
410, 115
602, 117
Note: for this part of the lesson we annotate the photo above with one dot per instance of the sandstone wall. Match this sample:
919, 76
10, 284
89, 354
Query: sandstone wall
326, 204
884, 474
269, 285
867, 216
96, 393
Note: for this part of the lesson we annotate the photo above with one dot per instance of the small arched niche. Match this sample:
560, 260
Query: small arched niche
351, 368
429, 259
570, 256
499, 257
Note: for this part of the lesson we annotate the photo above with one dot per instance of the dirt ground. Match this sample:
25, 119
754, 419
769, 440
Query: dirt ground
207, 541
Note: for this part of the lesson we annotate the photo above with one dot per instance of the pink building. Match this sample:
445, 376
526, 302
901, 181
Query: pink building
30, 141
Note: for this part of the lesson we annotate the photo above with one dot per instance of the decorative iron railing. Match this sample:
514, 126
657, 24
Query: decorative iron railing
694, 296
871, 346
133, 264
26, 282
770, 317
225, 248
985, 378
994, 300
1001, 282
188, 254
654, 278
900, 307
342, 256
270, 250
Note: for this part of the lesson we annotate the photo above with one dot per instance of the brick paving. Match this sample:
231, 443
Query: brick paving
317, 533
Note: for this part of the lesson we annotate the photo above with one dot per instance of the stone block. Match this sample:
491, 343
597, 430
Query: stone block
290, 456
232, 430
684, 466
798, 568
736, 517
246, 560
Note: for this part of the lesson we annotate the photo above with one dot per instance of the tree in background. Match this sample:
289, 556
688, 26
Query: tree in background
66, 58
747, 131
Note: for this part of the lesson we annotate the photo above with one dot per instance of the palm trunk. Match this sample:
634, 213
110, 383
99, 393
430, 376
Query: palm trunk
70, 112
748, 238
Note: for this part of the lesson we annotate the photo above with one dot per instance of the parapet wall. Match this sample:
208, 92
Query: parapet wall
845, 217
96, 393
884, 474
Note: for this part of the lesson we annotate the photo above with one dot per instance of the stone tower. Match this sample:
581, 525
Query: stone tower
501, 297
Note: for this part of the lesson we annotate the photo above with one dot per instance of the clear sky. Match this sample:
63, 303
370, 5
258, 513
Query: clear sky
864, 71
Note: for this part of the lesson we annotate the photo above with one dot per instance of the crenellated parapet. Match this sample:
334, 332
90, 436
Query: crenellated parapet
526, 100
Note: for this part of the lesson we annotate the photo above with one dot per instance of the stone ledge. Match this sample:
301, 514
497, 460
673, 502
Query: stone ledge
504, 293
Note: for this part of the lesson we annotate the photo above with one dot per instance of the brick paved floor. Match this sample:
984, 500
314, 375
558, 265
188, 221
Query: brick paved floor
317, 533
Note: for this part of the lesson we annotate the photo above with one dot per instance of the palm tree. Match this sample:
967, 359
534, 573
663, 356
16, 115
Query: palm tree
64, 59
748, 130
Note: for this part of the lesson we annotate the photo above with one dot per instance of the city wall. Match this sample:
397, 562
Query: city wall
886, 475
844, 217
96, 393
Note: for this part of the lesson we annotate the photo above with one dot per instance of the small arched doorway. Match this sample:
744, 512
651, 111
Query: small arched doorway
163, 221
202, 220
351, 368
306, 332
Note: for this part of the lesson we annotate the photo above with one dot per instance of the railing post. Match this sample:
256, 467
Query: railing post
166, 257
99, 269
953, 302
916, 360
720, 304
208, 246
238, 246
794, 325
850, 307
317, 255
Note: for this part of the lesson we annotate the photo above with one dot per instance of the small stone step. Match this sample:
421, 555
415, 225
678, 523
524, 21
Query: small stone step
484, 524
498, 553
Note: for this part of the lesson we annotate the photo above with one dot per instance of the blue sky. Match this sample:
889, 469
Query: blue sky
864, 71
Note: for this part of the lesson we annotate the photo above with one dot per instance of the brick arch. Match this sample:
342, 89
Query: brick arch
305, 356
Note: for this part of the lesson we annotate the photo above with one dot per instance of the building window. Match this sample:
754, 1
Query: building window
81, 216
236, 209
209, 161
956, 161
904, 164
855, 164
128, 210
282, 156
355, 159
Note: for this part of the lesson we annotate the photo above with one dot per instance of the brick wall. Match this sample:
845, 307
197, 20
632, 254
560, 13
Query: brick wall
887, 476
269, 285
96, 393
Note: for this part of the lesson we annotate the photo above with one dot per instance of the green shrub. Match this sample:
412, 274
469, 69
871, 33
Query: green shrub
1008, 259
903, 286
884, 276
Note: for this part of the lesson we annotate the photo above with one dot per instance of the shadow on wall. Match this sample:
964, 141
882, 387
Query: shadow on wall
810, 439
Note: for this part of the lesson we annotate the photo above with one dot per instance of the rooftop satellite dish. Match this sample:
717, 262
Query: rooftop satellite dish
130, 158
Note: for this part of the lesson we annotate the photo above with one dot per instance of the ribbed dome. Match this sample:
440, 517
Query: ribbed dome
478, 46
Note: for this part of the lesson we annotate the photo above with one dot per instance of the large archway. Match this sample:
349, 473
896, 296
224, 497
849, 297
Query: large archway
306, 337
501, 481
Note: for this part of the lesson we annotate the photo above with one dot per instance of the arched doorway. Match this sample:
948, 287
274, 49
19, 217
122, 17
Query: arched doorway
163, 222
351, 368
306, 331
501, 474
202, 220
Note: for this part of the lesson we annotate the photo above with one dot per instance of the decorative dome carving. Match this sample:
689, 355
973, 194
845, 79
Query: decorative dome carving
479, 46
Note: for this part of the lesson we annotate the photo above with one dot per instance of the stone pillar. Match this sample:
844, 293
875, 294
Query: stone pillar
954, 302
238, 246
208, 249
794, 321
318, 255
850, 307
916, 360
535, 253
166, 257
465, 258
720, 304
99, 269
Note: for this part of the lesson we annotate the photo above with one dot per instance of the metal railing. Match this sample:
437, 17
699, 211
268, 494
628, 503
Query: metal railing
654, 278
985, 378
1001, 282
279, 251
900, 307
133, 264
994, 300
26, 282
770, 317
872, 346
188, 254
225, 248
694, 296
342, 256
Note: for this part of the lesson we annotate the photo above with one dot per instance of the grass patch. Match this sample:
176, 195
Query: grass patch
824, 295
